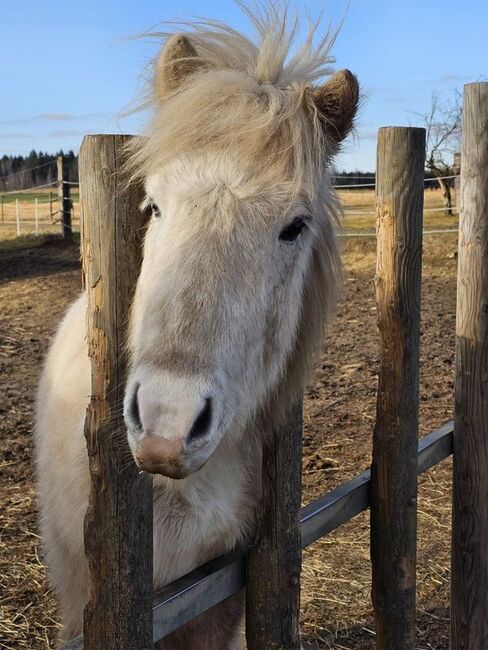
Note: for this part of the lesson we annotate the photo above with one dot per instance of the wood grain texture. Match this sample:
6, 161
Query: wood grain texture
469, 581
274, 562
118, 523
399, 209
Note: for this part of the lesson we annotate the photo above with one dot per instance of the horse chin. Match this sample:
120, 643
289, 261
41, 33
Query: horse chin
174, 471
175, 468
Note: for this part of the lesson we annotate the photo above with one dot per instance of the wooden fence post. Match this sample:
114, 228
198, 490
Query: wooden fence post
3, 213
17, 216
118, 524
274, 563
36, 214
64, 197
456, 170
399, 208
469, 580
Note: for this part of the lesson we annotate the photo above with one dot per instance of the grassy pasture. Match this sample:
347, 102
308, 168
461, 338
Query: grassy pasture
42, 195
358, 207
48, 224
359, 211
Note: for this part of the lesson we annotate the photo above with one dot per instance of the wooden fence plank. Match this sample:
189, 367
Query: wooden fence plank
274, 563
118, 524
469, 583
399, 206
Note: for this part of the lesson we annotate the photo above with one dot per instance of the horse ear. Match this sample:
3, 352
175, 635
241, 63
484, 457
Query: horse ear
337, 102
178, 59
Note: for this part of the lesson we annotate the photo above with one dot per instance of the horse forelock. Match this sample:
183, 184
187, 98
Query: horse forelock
250, 94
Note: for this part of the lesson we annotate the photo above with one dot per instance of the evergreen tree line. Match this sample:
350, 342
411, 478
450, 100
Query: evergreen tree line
38, 168
23, 172
357, 178
352, 178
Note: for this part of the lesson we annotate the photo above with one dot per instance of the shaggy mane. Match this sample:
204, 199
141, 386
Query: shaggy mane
249, 95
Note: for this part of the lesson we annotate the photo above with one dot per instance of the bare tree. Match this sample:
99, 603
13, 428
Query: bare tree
443, 135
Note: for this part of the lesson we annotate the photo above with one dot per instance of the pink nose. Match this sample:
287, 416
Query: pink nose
158, 455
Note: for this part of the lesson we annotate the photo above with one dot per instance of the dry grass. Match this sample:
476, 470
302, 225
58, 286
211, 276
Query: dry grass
359, 210
22, 575
353, 200
339, 419
48, 215
36, 282
339, 416
358, 198
336, 577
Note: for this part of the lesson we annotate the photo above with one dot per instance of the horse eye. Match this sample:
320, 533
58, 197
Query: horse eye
156, 212
292, 230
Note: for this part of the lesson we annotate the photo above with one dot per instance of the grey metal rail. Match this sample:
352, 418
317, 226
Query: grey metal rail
208, 585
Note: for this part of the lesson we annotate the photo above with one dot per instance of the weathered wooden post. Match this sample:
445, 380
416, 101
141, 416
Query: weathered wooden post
469, 580
3, 213
17, 216
64, 201
118, 524
274, 563
399, 209
36, 214
456, 170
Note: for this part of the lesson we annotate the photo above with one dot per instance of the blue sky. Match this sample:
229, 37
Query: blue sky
69, 68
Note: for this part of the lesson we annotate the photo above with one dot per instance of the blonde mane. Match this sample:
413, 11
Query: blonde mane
253, 95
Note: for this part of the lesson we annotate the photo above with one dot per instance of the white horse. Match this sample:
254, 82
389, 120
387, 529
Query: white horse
239, 275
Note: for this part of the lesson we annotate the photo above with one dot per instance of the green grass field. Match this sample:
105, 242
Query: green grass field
42, 196
43, 221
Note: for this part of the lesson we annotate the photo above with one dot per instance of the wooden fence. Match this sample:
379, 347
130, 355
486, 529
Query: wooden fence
37, 220
119, 614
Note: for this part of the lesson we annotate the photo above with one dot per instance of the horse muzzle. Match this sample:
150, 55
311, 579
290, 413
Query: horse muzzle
175, 435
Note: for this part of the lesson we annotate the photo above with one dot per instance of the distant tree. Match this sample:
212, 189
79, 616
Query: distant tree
38, 168
443, 135
354, 178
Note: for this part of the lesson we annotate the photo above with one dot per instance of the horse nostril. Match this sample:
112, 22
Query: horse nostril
133, 410
202, 423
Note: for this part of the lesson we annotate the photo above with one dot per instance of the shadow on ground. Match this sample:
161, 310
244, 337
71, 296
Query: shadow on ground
29, 257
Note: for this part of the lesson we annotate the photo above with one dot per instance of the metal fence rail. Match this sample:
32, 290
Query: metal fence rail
210, 584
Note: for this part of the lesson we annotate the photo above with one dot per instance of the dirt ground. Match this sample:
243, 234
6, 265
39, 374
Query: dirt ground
339, 419
38, 280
